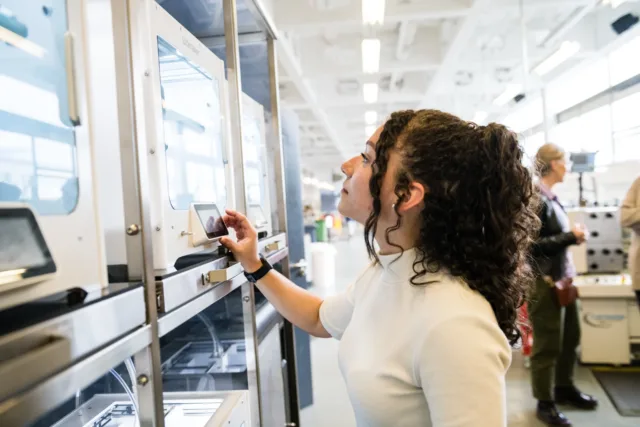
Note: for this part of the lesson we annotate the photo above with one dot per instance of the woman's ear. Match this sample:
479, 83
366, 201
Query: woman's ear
414, 197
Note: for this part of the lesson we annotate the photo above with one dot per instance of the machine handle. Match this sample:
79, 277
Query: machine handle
72, 93
25, 368
224, 274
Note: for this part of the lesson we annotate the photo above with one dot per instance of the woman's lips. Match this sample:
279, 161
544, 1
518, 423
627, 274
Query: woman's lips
345, 191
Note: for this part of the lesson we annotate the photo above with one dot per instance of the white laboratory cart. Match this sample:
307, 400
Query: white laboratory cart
609, 319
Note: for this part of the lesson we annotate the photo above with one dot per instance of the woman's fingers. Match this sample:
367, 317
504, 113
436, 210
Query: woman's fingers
229, 221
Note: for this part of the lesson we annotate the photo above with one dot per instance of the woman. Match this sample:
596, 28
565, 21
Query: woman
425, 330
554, 342
630, 217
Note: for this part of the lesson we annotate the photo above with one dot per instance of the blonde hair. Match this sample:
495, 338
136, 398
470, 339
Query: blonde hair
545, 155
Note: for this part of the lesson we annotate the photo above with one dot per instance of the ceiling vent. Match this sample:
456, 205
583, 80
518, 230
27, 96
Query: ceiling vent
463, 78
329, 4
348, 87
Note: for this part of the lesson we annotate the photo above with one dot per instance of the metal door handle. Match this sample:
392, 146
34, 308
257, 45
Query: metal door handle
224, 274
72, 93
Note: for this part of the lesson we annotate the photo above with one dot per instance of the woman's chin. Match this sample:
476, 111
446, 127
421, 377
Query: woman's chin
341, 207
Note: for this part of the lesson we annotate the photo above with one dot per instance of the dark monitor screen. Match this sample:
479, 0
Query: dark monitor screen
211, 221
582, 162
22, 245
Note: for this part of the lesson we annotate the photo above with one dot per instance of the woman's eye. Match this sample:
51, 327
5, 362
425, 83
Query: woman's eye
364, 158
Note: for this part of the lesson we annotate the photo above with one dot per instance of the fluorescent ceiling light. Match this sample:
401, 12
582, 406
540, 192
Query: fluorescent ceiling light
21, 43
509, 93
370, 92
369, 130
370, 55
373, 12
371, 117
613, 3
480, 117
567, 50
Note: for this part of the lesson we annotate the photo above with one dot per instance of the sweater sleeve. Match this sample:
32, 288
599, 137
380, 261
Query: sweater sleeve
630, 210
461, 368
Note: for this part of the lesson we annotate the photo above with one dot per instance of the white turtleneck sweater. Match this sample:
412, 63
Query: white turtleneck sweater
415, 356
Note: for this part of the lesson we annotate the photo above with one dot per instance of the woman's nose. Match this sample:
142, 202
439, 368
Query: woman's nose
347, 167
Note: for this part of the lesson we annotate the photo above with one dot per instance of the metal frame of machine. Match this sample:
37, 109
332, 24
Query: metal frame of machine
133, 317
255, 112
75, 238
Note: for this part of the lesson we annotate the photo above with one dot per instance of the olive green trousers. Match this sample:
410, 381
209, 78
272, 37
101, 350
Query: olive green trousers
556, 335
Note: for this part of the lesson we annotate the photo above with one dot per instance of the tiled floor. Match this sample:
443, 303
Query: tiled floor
331, 403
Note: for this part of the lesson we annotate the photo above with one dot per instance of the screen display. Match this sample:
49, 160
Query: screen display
211, 221
582, 162
21, 247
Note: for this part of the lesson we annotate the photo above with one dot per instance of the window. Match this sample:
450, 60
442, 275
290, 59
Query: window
526, 117
577, 86
626, 112
626, 128
625, 61
589, 132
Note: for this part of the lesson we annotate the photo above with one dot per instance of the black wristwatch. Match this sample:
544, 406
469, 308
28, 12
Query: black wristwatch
260, 273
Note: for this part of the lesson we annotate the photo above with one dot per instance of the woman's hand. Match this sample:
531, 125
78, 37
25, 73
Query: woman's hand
580, 232
246, 248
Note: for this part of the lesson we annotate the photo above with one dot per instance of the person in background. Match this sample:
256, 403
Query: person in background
309, 218
425, 331
555, 342
630, 217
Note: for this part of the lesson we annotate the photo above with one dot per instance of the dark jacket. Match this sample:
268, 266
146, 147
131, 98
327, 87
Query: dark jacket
550, 249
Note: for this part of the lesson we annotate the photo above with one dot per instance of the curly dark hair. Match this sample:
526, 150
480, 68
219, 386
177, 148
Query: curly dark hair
479, 217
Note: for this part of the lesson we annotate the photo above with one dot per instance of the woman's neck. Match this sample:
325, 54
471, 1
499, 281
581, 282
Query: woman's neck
400, 239
548, 181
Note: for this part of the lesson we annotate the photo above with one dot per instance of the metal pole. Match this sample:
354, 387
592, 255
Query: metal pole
131, 48
289, 345
276, 135
547, 118
235, 100
525, 48
252, 354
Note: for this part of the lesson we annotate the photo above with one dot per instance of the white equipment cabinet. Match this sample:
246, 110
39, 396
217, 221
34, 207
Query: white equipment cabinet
603, 252
186, 131
609, 319
46, 158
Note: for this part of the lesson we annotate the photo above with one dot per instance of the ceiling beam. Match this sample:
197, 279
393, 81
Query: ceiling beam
354, 101
293, 69
455, 52
350, 23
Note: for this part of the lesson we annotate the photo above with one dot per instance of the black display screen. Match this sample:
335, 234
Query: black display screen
22, 245
212, 221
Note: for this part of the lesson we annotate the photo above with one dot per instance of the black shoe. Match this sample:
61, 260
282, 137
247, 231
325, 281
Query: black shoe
550, 415
572, 396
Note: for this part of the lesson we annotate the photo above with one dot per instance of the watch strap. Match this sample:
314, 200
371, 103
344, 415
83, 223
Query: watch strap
260, 273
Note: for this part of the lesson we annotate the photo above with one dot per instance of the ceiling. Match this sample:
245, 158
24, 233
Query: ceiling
454, 55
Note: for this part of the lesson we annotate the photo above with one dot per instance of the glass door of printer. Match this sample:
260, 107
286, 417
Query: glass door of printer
192, 131
37, 137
